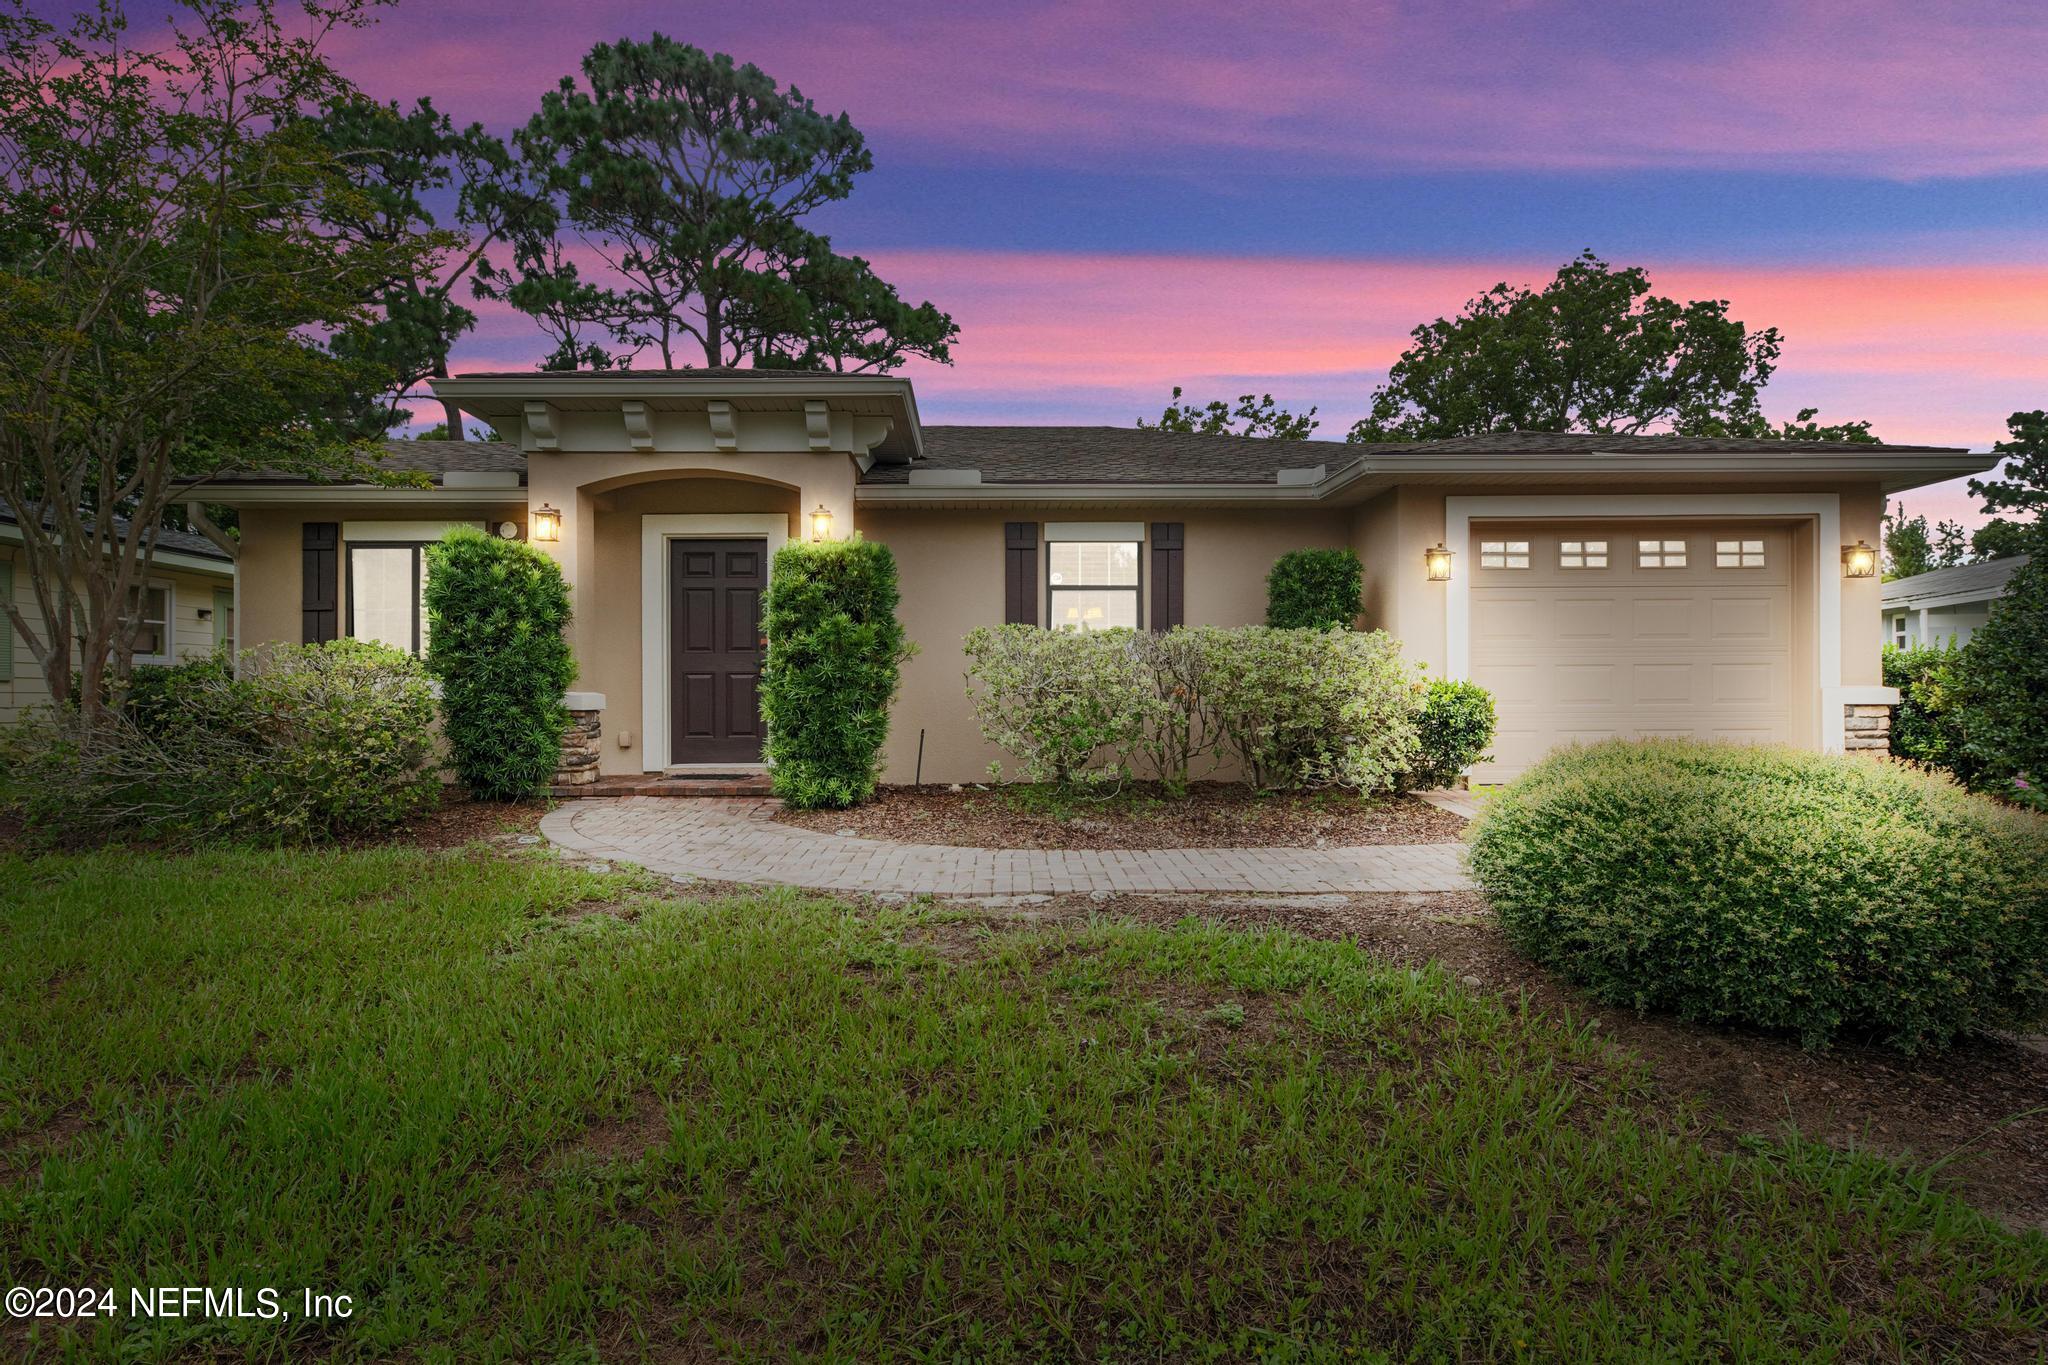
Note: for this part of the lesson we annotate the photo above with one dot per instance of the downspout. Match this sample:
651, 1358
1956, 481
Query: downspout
228, 545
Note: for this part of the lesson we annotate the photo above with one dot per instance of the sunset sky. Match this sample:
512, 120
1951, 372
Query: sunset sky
1113, 199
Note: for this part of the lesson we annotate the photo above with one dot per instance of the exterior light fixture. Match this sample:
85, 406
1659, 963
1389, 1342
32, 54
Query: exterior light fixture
546, 523
1437, 559
821, 523
1859, 561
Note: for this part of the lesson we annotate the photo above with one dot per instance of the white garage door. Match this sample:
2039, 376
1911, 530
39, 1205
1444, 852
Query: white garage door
1587, 631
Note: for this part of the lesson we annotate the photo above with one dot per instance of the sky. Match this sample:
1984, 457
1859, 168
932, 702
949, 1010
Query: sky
1111, 199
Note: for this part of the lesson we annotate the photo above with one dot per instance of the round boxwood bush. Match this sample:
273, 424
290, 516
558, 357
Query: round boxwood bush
834, 651
1823, 896
1452, 731
496, 610
1314, 590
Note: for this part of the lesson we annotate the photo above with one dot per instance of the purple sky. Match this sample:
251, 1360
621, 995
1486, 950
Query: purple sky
1112, 199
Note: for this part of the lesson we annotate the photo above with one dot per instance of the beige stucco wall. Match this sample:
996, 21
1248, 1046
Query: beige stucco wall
952, 574
952, 570
21, 678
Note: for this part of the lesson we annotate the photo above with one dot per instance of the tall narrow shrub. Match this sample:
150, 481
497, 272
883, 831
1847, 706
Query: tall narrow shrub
496, 612
1315, 590
835, 649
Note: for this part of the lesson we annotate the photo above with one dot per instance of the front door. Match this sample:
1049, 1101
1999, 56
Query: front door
714, 641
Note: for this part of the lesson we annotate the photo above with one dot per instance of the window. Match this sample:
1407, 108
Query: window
1092, 584
1899, 631
1738, 554
1582, 554
224, 619
1660, 554
387, 595
155, 611
1503, 554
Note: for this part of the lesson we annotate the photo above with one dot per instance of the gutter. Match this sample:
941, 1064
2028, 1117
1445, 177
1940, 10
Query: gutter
229, 546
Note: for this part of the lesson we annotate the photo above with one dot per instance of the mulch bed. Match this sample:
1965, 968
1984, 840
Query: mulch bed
1211, 815
1983, 1104
459, 820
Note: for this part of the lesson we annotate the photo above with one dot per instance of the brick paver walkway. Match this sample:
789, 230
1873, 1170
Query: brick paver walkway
735, 841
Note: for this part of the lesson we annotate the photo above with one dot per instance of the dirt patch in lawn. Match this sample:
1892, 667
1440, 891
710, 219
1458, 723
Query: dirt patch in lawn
1983, 1106
1211, 815
458, 821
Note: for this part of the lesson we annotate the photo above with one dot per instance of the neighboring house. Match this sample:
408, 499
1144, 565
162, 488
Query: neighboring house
188, 609
1606, 585
1945, 606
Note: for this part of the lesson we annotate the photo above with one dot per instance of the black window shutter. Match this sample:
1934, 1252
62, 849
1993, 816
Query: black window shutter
1169, 575
1020, 573
320, 571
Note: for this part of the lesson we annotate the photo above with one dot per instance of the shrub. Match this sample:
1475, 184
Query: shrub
1819, 895
1451, 733
834, 652
1314, 590
1053, 700
293, 744
1310, 708
1177, 722
1925, 728
2000, 681
496, 610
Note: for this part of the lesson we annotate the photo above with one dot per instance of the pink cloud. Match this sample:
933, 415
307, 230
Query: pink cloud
1889, 88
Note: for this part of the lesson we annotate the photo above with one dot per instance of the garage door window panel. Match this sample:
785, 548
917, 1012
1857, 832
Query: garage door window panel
1503, 554
1738, 554
1660, 554
1582, 554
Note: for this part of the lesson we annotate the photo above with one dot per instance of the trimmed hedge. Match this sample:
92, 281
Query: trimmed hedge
1823, 896
1315, 590
496, 610
1452, 730
835, 649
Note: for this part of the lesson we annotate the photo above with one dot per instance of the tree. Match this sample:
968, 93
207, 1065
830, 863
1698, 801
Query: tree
1910, 548
168, 287
400, 162
2022, 481
689, 177
1259, 416
2000, 538
1801, 428
1593, 351
2000, 691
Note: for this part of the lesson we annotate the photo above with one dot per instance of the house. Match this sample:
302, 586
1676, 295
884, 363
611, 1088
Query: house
1945, 606
1599, 585
188, 609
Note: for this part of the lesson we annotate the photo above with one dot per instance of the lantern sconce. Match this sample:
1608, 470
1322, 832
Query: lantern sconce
1859, 560
821, 523
1437, 560
546, 523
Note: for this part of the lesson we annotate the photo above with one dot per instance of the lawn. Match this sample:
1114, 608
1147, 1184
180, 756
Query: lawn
519, 1110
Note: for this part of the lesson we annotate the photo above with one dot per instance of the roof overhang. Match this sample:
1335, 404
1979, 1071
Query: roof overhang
10, 534
502, 399
1376, 472
251, 494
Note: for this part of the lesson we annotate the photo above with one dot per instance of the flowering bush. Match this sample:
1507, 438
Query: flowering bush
1823, 896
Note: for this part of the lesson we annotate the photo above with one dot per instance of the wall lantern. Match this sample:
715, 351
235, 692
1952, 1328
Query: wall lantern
1859, 561
546, 523
821, 523
1437, 559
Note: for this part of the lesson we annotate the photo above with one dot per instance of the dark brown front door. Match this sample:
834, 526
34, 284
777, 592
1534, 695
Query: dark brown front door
714, 641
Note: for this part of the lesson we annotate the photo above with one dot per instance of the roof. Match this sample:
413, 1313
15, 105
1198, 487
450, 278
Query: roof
178, 542
1981, 581
436, 459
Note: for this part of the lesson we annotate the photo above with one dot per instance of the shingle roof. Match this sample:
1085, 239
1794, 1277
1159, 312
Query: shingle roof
182, 542
1984, 579
433, 458
1566, 442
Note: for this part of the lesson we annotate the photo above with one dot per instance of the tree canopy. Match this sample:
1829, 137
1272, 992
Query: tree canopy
175, 303
1595, 350
1253, 416
689, 177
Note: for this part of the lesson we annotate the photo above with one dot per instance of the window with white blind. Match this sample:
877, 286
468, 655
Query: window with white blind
1738, 554
1092, 584
1582, 554
1503, 554
1660, 554
387, 594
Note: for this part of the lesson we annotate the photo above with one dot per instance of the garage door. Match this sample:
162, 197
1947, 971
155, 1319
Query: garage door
1587, 631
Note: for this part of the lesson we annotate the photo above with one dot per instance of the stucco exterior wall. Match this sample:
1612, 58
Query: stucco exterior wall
192, 636
952, 573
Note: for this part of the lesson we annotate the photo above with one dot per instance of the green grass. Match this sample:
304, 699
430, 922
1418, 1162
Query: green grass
774, 1126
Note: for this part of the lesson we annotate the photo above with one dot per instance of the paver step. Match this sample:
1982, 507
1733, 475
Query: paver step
694, 784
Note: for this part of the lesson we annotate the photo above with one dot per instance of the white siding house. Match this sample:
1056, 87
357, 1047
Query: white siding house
1947, 606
